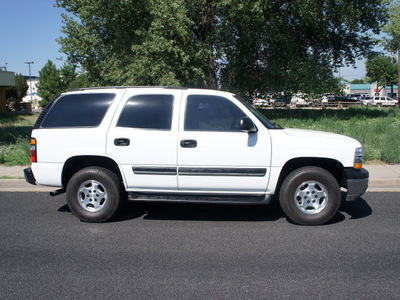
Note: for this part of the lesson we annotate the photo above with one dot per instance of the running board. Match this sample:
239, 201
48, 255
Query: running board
218, 199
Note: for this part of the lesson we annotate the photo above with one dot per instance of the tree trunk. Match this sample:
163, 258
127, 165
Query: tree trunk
398, 77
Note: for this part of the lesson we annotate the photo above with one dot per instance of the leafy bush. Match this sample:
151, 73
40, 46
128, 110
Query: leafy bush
15, 154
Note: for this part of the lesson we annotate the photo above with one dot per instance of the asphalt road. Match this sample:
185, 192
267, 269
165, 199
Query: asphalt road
160, 251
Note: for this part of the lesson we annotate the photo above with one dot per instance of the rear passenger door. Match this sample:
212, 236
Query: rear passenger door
142, 139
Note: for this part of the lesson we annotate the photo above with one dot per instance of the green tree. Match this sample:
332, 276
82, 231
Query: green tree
80, 81
239, 45
280, 35
67, 75
380, 69
392, 41
17, 92
357, 81
53, 81
50, 84
313, 76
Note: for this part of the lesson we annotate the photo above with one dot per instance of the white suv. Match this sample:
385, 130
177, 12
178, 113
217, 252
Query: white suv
105, 145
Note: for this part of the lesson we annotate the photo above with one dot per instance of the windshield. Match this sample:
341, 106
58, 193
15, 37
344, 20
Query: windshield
259, 115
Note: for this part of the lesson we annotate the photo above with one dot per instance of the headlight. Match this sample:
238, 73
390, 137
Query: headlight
358, 158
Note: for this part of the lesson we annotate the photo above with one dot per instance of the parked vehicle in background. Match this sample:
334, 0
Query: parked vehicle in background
327, 98
366, 99
279, 101
260, 102
355, 97
380, 101
300, 99
339, 101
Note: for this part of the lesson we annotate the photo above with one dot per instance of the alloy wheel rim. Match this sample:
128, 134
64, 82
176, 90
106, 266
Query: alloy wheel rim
311, 197
92, 195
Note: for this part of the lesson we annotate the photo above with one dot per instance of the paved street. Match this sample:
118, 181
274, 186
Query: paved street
169, 251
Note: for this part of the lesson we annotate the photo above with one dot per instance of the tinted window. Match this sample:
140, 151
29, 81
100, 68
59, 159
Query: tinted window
78, 110
212, 113
147, 111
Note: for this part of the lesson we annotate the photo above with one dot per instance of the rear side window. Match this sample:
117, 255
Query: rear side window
147, 112
78, 110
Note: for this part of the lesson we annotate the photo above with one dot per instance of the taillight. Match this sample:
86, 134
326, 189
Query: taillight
33, 150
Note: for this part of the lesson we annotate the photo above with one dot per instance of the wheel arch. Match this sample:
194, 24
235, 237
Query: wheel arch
76, 163
331, 165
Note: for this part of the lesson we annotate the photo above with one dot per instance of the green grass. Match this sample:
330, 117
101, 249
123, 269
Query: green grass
378, 130
15, 132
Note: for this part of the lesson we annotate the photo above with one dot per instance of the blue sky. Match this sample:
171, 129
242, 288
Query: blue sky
28, 32
29, 29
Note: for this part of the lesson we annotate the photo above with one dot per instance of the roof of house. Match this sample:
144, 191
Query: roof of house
361, 86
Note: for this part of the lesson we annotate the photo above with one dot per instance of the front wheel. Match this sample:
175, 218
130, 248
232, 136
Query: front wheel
94, 194
310, 196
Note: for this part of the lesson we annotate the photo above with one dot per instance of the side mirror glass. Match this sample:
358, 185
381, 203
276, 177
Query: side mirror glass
247, 125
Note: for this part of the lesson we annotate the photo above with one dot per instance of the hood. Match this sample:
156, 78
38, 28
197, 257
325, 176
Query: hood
316, 134
289, 143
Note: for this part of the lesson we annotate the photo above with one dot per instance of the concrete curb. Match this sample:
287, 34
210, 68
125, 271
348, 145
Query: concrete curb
20, 185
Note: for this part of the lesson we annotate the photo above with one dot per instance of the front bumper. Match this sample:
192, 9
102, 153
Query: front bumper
29, 176
356, 182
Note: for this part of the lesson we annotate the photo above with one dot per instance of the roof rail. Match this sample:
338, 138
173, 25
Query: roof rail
124, 87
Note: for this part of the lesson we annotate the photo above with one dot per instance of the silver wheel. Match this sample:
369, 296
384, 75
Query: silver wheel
311, 197
92, 195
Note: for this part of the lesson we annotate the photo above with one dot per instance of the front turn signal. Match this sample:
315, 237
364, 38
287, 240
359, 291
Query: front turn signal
358, 158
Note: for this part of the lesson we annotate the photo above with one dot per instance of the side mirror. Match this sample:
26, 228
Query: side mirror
247, 125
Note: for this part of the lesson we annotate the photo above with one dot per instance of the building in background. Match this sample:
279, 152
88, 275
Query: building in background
6, 79
370, 89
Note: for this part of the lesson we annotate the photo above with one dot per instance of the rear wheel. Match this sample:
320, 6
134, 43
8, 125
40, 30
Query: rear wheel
94, 194
310, 196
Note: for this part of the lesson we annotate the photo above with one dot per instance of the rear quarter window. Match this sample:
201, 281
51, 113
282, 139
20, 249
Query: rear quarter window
78, 110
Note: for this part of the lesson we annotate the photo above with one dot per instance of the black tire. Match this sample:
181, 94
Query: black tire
94, 194
310, 196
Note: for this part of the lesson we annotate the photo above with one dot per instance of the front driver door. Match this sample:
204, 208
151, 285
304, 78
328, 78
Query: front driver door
214, 156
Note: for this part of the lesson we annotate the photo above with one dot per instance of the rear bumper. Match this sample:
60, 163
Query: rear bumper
29, 176
357, 182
